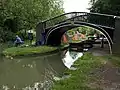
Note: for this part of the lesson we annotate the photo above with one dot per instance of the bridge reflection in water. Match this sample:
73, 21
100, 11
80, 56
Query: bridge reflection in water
71, 57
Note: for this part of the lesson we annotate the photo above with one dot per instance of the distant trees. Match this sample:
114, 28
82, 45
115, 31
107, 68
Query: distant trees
105, 6
83, 29
16, 15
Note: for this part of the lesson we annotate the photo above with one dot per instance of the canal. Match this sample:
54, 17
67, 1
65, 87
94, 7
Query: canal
35, 72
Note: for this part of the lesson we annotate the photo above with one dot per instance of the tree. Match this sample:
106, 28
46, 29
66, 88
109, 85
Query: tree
25, 14
105, 6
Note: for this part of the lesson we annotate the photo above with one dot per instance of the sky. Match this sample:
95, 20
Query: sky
76, 5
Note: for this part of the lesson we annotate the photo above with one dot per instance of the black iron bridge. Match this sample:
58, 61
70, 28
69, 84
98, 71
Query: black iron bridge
50, 31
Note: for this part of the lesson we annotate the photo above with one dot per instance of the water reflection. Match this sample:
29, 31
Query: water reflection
34, 73
26, 72
70, 57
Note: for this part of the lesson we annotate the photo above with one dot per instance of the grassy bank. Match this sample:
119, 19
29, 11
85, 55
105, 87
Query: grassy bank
81, 77
20, 51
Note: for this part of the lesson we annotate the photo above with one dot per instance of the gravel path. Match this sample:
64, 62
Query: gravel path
108, 75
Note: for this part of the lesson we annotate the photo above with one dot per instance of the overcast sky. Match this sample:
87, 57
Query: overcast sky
76, 5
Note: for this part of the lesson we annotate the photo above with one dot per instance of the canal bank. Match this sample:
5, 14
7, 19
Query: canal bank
92, 73
81, 76
30, 50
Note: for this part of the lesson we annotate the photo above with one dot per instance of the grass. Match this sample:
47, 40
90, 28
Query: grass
80, 77
115, 60
18, 51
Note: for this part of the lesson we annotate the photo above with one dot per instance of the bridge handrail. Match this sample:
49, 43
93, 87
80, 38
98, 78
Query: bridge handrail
61, 15
107, 15
88, 17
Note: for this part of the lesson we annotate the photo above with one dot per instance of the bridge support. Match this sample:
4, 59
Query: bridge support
116, 37
40, 29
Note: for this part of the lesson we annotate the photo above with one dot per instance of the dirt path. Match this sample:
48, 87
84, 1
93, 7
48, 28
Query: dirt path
108, 76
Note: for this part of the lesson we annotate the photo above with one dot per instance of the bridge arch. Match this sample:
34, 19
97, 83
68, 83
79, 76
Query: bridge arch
54, 35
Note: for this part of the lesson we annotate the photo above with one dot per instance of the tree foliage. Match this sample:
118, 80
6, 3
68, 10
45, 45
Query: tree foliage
105, 6
84, 30
16, 15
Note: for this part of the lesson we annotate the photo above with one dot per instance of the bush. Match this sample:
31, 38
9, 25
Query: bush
6, 35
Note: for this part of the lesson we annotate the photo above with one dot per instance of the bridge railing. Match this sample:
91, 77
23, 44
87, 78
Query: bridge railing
102, 20
93, 18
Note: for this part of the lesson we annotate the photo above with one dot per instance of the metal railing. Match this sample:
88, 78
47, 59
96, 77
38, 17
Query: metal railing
93, 18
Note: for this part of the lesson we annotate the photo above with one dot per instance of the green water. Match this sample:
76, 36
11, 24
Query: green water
28, 73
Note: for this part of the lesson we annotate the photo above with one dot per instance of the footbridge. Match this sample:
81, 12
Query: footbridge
50, 31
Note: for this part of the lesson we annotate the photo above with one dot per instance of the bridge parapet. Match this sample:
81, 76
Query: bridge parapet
94, 18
